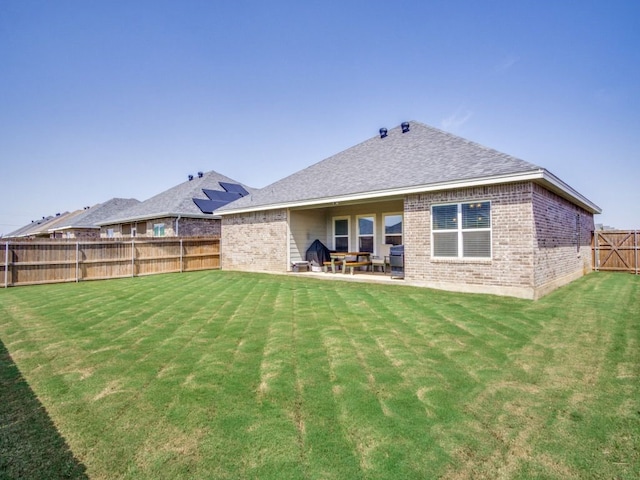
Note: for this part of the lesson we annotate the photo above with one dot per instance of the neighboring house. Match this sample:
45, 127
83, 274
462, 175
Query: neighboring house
79, 224
84, 223
40, 228
470, 218
185, 210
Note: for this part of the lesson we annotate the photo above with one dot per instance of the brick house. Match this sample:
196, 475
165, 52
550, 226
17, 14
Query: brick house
79, 224
84, 224
185, 210
470, 218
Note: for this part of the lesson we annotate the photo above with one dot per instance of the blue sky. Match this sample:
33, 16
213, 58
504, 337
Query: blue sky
103, 99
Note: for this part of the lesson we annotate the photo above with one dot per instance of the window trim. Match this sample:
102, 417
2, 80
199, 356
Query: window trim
384, 226
373, 231
333, 230
460, 230
161, 227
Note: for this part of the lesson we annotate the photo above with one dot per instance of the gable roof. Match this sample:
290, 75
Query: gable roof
422, 159
39, 227
90, 216
176, 201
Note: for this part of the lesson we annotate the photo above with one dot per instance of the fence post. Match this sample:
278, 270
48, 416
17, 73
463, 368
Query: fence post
635, 245
133, 258
77, 261
181, 259
6, 264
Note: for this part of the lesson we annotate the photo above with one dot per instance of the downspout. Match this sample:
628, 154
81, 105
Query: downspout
177, 229
288, 243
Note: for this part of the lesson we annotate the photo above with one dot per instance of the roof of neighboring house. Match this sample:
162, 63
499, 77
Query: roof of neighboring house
422, 159
90, 216
40, 227
177, 201
84, 218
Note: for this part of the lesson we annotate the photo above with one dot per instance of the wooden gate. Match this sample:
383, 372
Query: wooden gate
616, 250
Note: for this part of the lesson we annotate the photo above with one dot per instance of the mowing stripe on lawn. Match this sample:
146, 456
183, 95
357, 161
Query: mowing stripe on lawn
236, 375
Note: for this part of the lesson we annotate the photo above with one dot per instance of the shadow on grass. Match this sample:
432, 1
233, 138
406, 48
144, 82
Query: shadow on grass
30, 445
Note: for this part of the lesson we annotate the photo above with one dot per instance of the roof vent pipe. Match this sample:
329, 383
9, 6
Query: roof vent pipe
190, 177
383, 132
405, 127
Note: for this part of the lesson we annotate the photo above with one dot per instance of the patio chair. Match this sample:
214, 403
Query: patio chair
382, 259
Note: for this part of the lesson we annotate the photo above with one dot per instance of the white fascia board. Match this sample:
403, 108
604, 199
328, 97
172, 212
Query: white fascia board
541, 176
71, 227
568, 192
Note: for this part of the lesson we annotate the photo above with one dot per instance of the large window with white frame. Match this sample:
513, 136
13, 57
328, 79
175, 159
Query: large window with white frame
341, 234
366, 232
393, 229
461, 230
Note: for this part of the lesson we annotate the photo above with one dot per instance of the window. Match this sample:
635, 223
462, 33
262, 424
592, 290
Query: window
341, 234
366, 229
461, 230
393, 229
110, 233
158, 229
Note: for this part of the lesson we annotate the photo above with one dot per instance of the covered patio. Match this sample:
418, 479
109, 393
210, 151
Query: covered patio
359, 234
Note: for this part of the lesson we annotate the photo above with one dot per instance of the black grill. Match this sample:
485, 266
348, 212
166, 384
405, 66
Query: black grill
396, 260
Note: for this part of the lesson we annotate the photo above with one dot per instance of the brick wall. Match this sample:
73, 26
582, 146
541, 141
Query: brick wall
563, 234
187, 227
196, 227
255, 241
509, 271
534, 242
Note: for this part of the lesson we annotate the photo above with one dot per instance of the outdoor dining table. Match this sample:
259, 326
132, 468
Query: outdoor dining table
342, 255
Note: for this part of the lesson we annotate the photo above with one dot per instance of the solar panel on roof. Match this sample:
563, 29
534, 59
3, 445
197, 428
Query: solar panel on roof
208, 206
220, 195
234, 188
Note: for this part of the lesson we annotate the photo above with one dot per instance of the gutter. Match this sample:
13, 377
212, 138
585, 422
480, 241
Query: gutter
154, 216
540, 176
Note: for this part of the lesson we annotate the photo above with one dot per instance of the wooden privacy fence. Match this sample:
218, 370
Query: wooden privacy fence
54, 261
616, 250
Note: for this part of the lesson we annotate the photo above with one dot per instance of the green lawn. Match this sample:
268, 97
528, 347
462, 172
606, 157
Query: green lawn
231, 375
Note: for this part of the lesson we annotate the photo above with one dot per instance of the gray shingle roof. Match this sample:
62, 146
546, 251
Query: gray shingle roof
90, 217
35, 227
176, 201
422, 156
